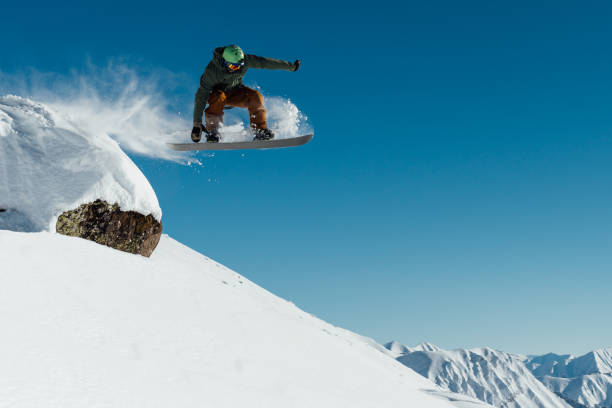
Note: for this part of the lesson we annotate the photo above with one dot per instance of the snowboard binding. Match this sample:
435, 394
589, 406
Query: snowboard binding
212, 136
262, 134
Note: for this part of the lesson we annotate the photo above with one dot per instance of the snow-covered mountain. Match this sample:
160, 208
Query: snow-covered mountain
566, 366
581, 380
498, 378
84, 325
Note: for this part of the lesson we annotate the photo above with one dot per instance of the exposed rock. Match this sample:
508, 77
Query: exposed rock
106, 224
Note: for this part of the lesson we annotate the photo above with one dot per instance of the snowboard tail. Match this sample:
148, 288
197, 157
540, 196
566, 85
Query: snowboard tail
253, 144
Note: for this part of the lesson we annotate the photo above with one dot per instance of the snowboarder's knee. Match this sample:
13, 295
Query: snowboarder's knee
256, 100
216, 97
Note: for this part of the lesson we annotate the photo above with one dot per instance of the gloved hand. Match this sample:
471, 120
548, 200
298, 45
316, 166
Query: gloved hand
296, 65
196, 132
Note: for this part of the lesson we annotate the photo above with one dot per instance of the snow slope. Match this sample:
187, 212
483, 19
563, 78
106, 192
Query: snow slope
585, 379
103, 328
501, 379
48, 165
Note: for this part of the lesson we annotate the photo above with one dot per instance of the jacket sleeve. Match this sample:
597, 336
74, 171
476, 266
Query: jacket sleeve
207, 81
253, 61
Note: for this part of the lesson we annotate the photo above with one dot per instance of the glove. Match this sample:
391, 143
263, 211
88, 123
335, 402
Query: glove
296, 65
196, 132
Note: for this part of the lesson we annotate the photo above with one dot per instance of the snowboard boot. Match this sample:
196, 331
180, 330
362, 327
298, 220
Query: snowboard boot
262, 134
196, 134
212, 136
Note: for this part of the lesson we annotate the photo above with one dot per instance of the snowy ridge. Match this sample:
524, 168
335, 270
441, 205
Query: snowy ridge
593, 390
586, 379
49, 165
176, 330
396, 349
498, 378
567, 366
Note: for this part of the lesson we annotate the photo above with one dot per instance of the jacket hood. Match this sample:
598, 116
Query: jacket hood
218, 54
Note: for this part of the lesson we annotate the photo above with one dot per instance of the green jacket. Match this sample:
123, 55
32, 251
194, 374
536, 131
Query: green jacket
217, 77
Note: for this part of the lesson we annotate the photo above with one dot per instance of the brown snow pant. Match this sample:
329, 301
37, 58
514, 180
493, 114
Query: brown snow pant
241, 97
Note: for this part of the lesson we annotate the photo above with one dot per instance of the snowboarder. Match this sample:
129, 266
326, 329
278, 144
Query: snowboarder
221, 85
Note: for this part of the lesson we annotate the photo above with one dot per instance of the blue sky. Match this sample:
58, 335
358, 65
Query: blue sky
458, 187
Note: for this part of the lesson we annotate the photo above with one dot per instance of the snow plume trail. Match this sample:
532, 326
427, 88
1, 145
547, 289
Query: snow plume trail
134, 108
116, 101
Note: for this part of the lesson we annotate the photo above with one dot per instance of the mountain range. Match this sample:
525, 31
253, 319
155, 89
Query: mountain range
512, 380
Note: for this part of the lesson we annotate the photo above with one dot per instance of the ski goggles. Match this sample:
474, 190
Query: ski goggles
234, 66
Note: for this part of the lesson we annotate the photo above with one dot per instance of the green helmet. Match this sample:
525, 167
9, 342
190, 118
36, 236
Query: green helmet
233, 54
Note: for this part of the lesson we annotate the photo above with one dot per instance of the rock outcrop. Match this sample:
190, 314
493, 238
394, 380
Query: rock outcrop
108, 225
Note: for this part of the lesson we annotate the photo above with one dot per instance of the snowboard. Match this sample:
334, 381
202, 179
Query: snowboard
253, 144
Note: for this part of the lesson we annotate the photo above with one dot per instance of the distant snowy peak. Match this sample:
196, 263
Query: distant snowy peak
584, 380
592, 391
397, 349
603, 359
510, 380
498, 378
548, 364
426, 347
569, 366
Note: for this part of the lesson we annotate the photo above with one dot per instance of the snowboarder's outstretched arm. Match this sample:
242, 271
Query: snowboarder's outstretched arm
254, 61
